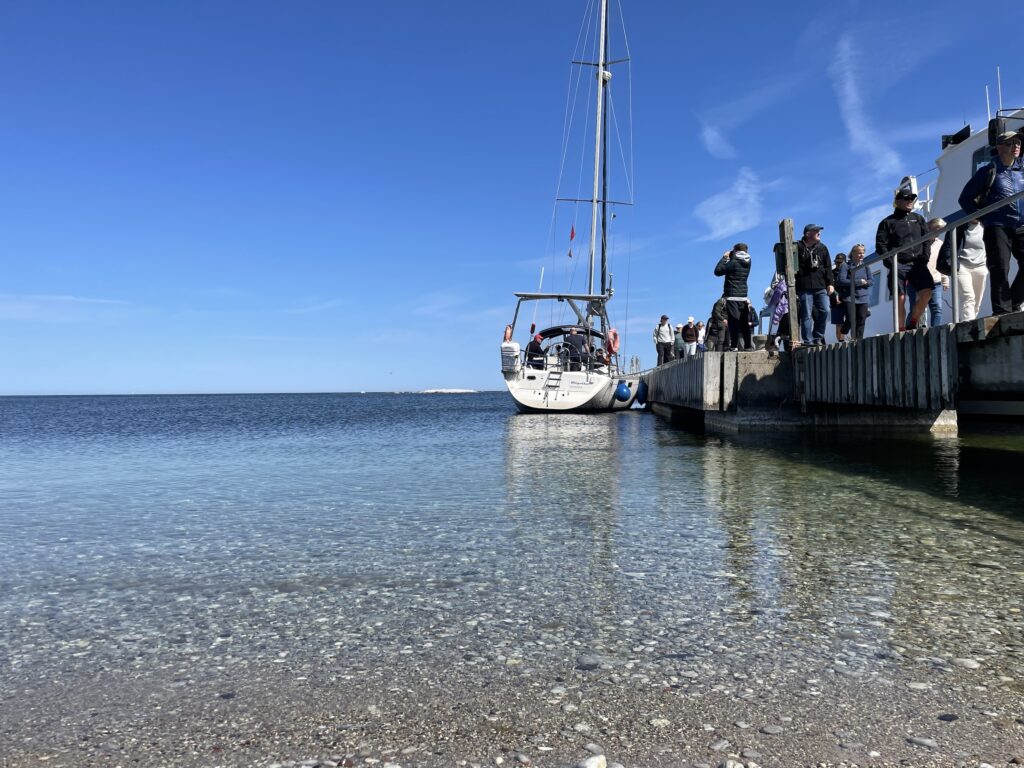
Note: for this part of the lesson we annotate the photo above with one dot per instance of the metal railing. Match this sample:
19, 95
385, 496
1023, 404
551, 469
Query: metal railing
950, 228
561, 360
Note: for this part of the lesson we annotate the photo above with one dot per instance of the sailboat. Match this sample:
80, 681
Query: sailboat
575, 366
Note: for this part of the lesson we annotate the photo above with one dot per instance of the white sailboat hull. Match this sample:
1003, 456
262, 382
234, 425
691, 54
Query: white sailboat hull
546, 391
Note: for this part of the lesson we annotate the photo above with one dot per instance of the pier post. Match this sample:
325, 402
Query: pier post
788, 254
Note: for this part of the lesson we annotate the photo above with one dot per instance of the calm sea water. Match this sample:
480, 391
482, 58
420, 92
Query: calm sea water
160, 534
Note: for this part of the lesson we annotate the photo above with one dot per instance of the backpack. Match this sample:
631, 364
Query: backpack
944, 263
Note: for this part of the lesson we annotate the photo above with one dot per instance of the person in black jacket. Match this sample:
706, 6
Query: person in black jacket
903, 226
579, 351
535, 353
735, 267
814, 284
840, 299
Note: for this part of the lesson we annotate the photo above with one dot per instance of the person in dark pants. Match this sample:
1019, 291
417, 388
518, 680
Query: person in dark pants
902, 226
856, 277
535, 353
735, 267
839, 300
1004, 228
664, 338
717, 336
814, 284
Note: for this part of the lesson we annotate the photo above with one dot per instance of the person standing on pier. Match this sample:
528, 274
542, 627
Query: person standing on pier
903, 225
735, 267
689, 334
663, 340
854, 276
1004, 227
814, 284
939, 281
840, 299
717, 337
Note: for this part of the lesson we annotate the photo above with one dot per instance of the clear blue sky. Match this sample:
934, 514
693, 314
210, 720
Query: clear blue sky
331, 196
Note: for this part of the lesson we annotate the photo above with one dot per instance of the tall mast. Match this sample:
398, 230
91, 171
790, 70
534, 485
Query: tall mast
604, 187
597, 142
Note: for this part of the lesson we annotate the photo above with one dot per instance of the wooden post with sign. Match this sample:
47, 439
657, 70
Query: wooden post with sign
787, 256
789, 267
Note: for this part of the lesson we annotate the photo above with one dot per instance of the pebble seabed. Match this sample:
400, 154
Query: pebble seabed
281, 679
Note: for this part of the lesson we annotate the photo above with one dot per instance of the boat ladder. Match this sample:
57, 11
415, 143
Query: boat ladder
554, 380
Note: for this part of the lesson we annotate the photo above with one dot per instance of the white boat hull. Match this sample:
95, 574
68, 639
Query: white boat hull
545, 391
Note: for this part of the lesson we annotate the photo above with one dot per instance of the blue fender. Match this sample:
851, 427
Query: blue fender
641, 392
622, 392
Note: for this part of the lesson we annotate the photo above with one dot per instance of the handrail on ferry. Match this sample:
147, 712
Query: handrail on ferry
951, 225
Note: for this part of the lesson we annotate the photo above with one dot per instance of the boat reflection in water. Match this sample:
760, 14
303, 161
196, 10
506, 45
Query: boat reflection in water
740, 549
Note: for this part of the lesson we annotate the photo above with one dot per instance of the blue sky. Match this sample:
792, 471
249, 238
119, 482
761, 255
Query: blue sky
335, 196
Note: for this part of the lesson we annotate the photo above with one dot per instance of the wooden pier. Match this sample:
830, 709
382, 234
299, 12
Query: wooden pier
917, 380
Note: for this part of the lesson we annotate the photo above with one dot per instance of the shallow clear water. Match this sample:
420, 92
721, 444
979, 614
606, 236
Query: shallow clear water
342, 535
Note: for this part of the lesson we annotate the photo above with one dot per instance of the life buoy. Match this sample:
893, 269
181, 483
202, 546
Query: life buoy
508, 333
611, 341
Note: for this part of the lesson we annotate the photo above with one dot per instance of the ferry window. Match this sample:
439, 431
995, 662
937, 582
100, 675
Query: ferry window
876, 288
981, 157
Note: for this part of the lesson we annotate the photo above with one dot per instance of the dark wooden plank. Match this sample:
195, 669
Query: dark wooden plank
921, 369
862, 372
895, 371
909, 400
934, 371
812, 376
877, 345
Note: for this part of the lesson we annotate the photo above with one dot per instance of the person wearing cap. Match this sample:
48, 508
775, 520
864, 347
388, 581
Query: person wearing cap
535, 353
663, 340
689, 334
1004, 227
903, 225
814, 284
579, 352
735, 267
678, 348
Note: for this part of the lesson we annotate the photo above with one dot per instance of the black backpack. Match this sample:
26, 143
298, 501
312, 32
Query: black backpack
990, 178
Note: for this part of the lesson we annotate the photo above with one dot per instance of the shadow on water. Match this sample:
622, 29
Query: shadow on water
977, 469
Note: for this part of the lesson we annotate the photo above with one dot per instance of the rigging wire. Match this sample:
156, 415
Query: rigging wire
572, 97
627, 166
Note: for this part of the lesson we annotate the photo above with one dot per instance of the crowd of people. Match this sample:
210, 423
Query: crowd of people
680, 342
840, 289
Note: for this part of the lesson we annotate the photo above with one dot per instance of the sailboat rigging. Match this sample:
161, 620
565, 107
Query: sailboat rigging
574, 367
